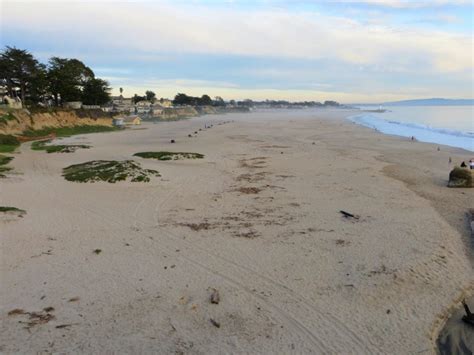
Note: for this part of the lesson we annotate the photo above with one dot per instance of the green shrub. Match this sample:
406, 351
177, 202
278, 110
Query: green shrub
60, 148
68, 131
7, 117
169, 155
8, 143
4, 160
8, 139
109, 171
6, 209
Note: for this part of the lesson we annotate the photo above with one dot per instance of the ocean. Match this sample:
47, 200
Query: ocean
447, 125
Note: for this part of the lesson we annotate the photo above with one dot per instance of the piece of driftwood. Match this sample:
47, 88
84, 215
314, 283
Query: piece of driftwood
215, 323
348, 215
215, 298
469, 317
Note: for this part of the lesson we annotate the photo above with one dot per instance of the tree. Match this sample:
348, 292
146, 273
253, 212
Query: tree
150, 95
67, 77
183, 99
96, 92
246, 103
137, 98
218, 101
205, 100
19, 70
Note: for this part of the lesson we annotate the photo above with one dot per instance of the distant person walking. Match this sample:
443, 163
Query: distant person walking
471, 164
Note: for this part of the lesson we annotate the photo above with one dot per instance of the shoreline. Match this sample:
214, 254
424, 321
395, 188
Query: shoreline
450, 326
332, 284
437, 134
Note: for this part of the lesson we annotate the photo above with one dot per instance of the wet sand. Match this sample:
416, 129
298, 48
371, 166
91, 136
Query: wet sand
258, 219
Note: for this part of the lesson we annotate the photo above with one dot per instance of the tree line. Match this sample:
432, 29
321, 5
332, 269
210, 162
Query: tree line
60, 80
204, 100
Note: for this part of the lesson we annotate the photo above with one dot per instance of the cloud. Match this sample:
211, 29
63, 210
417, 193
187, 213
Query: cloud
246, 50
411, 4
149, 29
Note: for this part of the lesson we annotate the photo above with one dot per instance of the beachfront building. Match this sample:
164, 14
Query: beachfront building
157, 111
120, 104
164, 103
143, 106
132, 120
118, 122
75, 105
10, 102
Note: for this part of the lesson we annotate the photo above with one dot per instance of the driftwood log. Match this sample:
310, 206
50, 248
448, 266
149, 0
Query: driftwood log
349, 215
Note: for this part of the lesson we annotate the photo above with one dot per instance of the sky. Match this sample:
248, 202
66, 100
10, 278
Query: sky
344, 50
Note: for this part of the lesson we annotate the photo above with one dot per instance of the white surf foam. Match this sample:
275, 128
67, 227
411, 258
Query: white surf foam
421, 132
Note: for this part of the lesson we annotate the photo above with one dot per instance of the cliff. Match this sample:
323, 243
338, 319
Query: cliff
17, 121
178, 112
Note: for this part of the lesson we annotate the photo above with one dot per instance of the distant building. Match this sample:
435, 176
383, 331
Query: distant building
76, 105
132, 120
14, 102
164, 103
121, 104
143, 106
157, 111
118, 122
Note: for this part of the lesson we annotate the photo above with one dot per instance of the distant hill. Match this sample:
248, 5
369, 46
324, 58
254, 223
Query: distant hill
431, 102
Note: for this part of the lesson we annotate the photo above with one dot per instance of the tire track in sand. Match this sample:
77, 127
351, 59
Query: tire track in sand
328, 321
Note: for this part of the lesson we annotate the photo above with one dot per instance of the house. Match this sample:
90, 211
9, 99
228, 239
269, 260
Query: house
121, 104
157, 111
143, 106
118, 122
14, 102
75, 105
132, 120
165, 102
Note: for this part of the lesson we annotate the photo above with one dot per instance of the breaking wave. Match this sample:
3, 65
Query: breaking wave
422, 133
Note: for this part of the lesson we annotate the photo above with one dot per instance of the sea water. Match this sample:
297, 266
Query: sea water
447, 125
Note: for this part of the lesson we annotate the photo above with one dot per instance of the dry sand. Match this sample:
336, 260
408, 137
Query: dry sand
258, 220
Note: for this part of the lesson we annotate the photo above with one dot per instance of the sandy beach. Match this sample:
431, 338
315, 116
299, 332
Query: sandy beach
258, 219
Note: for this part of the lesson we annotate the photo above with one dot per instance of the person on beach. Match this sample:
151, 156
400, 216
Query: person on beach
471, 164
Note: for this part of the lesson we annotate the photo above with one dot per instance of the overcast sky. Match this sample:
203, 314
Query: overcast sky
350, 51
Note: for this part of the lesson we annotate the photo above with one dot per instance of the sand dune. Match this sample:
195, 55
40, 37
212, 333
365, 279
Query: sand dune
258, 219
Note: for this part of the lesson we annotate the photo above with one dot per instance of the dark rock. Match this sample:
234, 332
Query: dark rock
459, 177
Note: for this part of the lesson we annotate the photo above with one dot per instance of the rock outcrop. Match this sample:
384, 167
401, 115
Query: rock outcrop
461, 177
